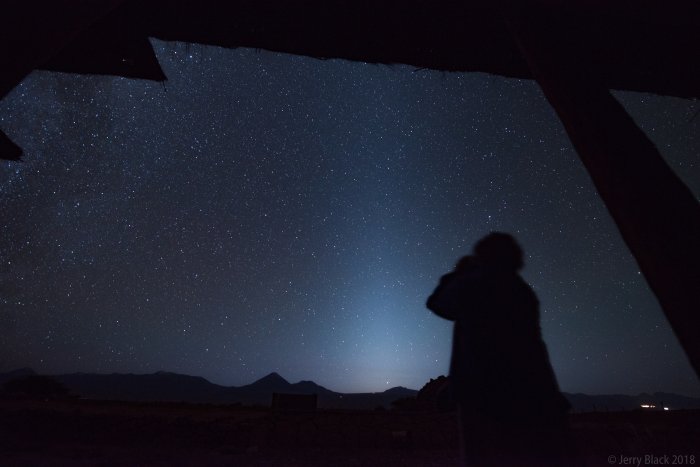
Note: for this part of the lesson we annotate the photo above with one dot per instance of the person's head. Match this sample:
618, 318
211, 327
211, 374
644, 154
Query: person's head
499, 250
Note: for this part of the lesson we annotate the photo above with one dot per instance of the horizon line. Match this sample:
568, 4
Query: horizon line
651, 393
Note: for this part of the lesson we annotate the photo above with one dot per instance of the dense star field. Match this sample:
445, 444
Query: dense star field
264, 212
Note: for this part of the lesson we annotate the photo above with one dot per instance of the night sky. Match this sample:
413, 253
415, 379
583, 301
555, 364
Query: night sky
263, 212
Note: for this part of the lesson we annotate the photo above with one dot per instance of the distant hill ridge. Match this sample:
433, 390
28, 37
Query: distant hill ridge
168, 386
174, 387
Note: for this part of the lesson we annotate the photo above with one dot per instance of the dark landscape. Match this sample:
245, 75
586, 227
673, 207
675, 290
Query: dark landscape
86, 433
172, 387
169, 419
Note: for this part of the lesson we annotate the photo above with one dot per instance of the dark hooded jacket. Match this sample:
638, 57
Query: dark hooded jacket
500, 364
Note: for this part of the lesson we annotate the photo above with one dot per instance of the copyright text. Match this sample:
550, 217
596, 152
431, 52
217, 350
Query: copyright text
650, 459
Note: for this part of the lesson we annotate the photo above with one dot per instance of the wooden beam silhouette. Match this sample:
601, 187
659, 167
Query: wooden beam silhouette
657, 215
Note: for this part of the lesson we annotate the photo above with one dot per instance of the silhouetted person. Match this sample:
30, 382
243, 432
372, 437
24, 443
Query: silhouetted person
511, 410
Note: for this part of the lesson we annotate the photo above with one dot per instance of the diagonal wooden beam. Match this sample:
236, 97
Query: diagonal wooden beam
657, 215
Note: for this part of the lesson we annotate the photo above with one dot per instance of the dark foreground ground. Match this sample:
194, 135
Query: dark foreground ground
91, 433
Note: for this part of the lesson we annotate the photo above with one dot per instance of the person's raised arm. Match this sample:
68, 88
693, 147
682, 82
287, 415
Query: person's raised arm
448, 299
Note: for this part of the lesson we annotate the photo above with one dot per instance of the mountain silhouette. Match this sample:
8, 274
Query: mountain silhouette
163, 386
16, 374
174, 387
309, 387
400, 391
270, 383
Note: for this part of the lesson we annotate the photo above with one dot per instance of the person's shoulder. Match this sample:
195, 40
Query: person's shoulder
526, 289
